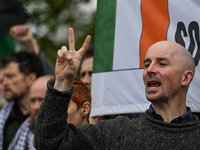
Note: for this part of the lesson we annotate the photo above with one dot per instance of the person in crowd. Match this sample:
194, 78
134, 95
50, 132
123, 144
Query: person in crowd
87, 67
23, 34
36, 94
79, 106
20, 70
167, 124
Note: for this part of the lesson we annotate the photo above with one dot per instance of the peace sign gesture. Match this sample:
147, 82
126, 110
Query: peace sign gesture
68, 62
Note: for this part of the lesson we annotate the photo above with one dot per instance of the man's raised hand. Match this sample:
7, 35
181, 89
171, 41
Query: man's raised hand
22, 33
68, 62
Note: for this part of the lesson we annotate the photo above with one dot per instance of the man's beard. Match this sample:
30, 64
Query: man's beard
33, 121
13, 96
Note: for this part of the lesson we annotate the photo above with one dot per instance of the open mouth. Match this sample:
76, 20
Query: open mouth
153, 84
6, 90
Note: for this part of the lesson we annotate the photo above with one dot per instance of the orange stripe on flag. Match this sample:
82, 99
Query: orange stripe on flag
155, 20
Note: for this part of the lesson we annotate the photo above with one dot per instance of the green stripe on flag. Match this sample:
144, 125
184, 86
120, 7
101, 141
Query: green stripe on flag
104, 35
6, 45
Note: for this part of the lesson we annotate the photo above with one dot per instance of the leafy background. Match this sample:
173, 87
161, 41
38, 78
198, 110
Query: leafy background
50, 20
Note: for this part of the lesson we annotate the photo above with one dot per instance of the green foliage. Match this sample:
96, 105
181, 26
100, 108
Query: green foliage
51, 19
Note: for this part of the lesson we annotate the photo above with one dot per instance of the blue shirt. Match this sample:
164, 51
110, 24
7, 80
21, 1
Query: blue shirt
187, 117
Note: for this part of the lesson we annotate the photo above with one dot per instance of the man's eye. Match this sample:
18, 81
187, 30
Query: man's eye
10, 76
83, 74
162, 64
146, 65
32, 101
40, 99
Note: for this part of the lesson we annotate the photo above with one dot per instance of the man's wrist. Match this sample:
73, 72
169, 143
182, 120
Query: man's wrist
63, 85
32, 46
53, 85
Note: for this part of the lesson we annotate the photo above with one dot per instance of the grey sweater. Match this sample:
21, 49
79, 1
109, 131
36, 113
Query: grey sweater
52, 131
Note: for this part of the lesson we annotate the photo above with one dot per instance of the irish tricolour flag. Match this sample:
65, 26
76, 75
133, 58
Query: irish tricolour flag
124, 31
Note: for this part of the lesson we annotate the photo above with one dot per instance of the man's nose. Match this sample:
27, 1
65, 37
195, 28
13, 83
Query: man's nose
4, 81
37, 105
87, 79
151, 68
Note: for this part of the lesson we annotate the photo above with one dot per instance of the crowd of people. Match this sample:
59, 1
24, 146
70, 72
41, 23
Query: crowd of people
23, 83
47, 107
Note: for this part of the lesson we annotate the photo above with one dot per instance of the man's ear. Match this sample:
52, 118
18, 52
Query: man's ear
31, 78
187, 77
86, 108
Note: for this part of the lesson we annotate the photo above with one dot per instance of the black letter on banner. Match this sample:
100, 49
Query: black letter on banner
193, 26
178, 37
